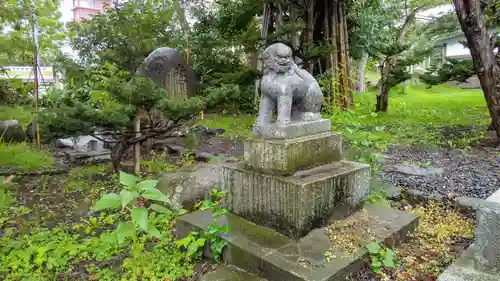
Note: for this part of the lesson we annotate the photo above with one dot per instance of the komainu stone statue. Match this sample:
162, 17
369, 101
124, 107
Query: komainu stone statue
294, 91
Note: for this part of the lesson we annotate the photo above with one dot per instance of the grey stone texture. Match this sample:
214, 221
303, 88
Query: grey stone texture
229, 273
466, 268
417, 171
294, 129
481, 261
468, 204
11, 131
487, 242
161, 62
88, 156
294, 205
276, 257
284, 86
186, 186
290, 155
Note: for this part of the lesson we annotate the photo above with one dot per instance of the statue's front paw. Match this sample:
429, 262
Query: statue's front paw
281, 123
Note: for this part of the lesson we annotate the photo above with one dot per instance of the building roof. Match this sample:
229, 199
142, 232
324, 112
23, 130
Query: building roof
458, 34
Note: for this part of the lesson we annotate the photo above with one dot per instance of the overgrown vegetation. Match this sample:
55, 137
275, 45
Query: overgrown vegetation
24, 157
99, 246
434, 244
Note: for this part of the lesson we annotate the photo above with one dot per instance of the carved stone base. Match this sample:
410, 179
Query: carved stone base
296, 204
287, 156
293, 130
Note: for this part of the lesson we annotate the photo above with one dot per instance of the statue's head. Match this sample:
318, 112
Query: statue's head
278, 57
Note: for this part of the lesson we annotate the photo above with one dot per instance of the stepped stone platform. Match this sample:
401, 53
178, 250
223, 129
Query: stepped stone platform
276, 257
229, 273
293, 199
297, 204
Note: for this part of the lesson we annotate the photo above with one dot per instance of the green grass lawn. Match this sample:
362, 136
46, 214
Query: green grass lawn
21, 156
21, 114
24, 157
413, 117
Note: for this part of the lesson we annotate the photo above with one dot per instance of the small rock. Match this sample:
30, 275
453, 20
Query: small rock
417, 171
434, 197
468, 203
63, 143
174, 149
186, 186
415, 196
11, 131
393, 193
203, 156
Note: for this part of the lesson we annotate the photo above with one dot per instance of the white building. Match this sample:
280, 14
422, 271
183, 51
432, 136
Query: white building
451, 46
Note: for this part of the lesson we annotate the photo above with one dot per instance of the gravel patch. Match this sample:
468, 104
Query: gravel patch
449, 172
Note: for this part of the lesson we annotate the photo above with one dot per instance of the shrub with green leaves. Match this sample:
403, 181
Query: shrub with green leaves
194, 243
132, 198
380, 257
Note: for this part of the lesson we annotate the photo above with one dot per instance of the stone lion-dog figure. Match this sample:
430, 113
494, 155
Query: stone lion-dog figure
294, 91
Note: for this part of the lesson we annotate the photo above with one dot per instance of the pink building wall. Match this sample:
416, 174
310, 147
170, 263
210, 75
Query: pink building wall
83, 9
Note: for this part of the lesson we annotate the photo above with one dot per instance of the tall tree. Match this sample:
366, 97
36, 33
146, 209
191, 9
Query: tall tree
406, 49
16, 27
473, 20
370, 24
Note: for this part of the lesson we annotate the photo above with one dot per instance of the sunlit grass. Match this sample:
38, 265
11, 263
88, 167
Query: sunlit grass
21, 114
237, 126
415, 116
412, 116
24, 157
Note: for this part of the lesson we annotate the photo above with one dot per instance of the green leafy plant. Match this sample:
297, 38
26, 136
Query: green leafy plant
132, 198
381, 257
195, 241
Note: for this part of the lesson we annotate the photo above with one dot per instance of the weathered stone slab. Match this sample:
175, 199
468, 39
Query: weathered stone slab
466, 268
487, 238
294, 205
230, 273
293, 130
89, 156
290, 155
481, 261
273, 256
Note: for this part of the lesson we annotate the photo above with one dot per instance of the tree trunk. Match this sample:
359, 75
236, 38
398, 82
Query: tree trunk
384, 85
389, 63
473, 22
360, 87
137, 146
308, 63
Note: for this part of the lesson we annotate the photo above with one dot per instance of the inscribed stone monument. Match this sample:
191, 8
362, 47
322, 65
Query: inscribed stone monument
167, 68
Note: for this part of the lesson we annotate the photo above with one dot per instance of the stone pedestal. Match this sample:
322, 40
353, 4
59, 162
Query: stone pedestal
295, 205
290, 155
293, 130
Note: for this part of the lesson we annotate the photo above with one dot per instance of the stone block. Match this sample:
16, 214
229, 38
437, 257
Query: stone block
289, 155
229, 273
488, 234
294, 205
293, 130
466, 268
276, 257
89, 156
